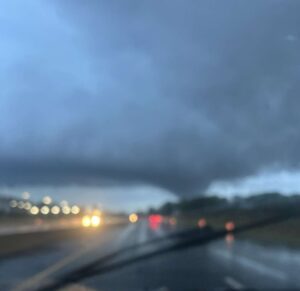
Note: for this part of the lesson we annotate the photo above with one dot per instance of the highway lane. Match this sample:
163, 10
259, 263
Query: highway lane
222, 264
39, 264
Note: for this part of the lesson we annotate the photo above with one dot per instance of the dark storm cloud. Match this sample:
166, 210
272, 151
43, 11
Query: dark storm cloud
172, 93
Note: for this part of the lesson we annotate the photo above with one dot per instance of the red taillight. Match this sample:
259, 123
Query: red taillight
230, 226
202, 222
155, 220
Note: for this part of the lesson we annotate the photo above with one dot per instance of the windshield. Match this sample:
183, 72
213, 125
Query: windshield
149, 145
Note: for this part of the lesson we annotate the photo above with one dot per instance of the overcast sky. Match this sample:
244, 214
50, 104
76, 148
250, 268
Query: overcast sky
180, 97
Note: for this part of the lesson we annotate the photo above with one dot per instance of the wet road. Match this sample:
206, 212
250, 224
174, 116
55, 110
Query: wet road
227, 263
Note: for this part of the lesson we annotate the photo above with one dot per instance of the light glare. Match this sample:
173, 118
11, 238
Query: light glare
26, 195
66, 210
95, 220
21, 204
47, 200
27, 205
13, 203
34, 210
133, 217
86, 221
63, 203
55, 210
75, 209
45, 210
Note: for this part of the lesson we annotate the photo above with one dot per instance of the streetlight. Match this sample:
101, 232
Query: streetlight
27, 205
66, 210
34, 210
75, 209
13, 203
47, 200
55, 210
45, 210
25, 195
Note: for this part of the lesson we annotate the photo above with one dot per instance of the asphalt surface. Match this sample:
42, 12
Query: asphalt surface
221, 265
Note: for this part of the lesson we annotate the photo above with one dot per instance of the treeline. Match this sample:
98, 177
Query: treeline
214, 203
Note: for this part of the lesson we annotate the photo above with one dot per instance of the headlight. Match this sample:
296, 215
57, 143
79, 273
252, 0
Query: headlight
133, 218
86, 221
95, 220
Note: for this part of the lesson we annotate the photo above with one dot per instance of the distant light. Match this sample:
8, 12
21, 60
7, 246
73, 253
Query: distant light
45, 210
63, 203
86, 221
173, 221
75, 209
202, 222
230, 226
95, 220
55, 210
133, 218
34, 210
66, 210
26, 195
21, 204
27, 205
47, 200
13, 203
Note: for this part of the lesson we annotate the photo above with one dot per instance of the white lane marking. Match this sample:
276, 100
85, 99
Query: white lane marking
248, 263
234, 284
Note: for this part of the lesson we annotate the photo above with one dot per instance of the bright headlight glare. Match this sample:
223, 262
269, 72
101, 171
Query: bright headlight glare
95, 220
86, 221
